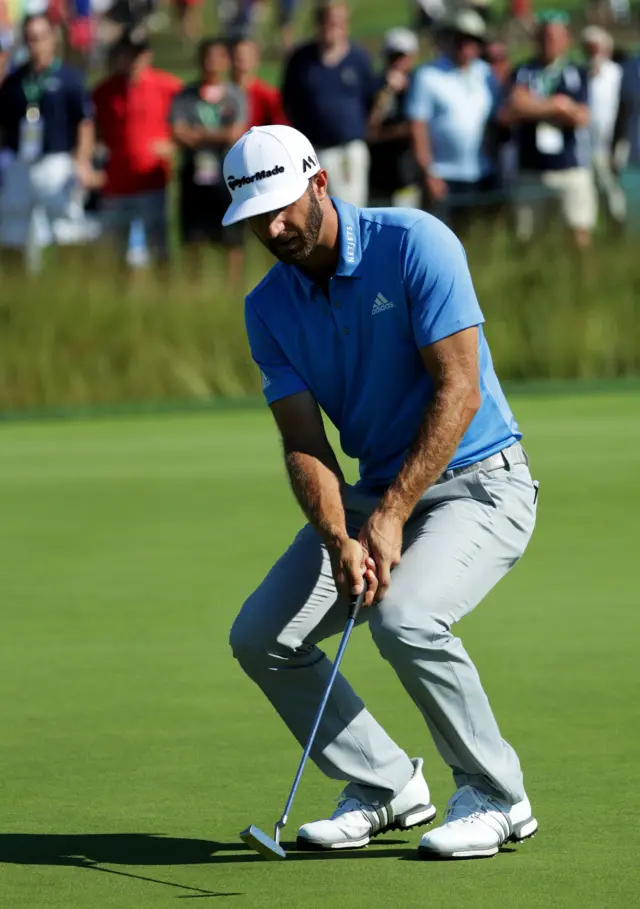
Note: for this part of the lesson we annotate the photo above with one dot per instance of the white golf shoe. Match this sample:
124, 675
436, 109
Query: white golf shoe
353, 823
476, 826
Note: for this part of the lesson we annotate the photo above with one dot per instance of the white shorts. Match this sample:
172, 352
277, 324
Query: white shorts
348, 169
573, 191
42, 203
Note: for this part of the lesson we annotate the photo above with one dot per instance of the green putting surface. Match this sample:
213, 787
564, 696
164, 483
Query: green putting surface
134, 750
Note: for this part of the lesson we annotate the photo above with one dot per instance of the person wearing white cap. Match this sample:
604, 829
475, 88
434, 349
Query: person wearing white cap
605, 81
393, 177
370, 315
452, 102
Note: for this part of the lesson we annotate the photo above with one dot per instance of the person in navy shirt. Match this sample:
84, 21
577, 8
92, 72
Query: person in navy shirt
46, 127
328, 90
370, 315
548, 105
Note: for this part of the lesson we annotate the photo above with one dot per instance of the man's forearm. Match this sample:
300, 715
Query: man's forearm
318, 486
445, 421
421, 145
85, 142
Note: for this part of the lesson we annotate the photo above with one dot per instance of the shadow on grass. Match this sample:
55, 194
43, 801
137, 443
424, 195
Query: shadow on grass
91, 851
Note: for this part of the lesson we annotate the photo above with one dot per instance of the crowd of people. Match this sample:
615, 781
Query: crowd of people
465, 134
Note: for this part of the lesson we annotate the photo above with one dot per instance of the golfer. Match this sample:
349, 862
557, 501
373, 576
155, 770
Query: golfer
371, 316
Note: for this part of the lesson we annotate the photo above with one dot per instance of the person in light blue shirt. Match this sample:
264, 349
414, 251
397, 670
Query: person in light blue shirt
370, 316
451, 105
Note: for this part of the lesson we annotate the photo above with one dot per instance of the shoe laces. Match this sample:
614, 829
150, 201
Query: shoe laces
464, 800
346, 804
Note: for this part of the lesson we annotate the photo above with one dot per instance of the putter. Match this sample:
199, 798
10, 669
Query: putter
269, 847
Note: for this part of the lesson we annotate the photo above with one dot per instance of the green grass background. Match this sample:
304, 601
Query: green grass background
134, 749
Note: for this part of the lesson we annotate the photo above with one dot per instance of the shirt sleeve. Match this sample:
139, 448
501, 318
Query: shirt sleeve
581, 93
521, 76
179, 110
419, 101
279, 378
79, 101
438, 284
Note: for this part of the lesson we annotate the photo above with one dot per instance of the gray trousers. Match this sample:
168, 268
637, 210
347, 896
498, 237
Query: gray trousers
463, 536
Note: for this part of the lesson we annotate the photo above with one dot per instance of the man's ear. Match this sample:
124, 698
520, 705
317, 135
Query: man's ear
320, 184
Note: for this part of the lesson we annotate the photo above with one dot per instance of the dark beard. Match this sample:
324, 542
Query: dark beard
306, 240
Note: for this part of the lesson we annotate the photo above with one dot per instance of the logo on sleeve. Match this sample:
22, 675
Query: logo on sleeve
266, 381
236, 182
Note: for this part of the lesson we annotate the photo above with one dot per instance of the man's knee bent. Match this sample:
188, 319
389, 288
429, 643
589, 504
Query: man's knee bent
248, 642
255, 641
396, 630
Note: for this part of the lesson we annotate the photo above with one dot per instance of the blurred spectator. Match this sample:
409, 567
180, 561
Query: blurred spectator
548, 103
240, 18
428, 13
630, 128
264, 101
605, 78
394, 173
451, 105
6, 45
285, 12
190, 18
47, 130
496, 54
327, 93
481, 7
521, 11
207, 118
132, 115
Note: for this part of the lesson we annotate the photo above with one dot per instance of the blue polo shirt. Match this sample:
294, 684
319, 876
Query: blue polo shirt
456, 105
64, 103
402, 283
569, 147
329, 104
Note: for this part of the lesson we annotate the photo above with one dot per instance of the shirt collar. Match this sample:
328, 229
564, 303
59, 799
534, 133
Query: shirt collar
349, 245
349, 240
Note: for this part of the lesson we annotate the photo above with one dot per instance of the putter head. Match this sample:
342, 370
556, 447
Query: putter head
262, 843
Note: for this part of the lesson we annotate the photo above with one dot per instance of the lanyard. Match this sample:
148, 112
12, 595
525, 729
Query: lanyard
208, 114
549, 78
33, 85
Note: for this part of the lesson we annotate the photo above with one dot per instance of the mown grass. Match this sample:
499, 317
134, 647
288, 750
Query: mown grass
73, 335
134, 749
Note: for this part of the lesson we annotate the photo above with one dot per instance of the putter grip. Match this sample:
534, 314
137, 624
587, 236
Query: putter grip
357, 602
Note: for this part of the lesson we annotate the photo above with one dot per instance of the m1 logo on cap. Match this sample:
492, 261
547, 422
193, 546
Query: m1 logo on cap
308, 163
236, 182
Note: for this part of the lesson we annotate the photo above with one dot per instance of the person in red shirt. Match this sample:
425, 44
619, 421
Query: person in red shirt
264, 100
132, 117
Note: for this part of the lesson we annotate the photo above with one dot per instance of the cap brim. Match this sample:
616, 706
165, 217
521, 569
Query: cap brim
264, 203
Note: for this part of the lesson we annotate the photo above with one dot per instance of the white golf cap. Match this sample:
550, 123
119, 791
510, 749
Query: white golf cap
268, 168
400, 41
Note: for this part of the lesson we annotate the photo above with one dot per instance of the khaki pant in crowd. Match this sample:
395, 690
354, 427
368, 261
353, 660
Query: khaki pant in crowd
537, 195
348, 169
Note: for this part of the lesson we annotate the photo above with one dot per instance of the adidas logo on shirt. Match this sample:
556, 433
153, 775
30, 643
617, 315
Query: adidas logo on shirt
266, 381
380, 304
